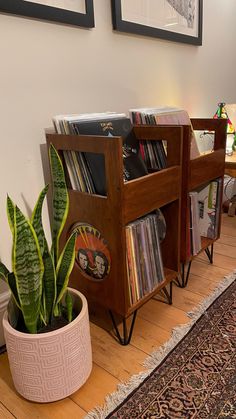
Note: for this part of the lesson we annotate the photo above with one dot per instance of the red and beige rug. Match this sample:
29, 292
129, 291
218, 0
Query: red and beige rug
195, 378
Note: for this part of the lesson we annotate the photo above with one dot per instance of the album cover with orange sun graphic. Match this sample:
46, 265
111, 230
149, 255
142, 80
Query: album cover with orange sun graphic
92, 253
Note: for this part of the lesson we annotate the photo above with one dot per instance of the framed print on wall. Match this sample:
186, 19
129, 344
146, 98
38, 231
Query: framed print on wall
71, 12
174, 20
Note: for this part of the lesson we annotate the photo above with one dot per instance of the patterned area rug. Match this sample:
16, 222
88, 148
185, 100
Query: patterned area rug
197, 379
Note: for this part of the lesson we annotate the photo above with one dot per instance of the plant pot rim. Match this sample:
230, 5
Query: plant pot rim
29, 336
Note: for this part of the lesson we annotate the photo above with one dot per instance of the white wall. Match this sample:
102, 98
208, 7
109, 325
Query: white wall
48, 69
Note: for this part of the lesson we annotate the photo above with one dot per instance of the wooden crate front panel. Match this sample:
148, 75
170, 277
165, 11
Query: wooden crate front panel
145, 194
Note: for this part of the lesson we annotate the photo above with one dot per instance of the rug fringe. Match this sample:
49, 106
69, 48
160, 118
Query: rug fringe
199, 310
156, 357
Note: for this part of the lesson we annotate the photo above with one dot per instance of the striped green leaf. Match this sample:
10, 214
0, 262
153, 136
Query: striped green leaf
28, 269
11, 280
3, 271
69, 306
49, 283
65, 266
42, 319
10, 213
36, 219
13, 312
60, 199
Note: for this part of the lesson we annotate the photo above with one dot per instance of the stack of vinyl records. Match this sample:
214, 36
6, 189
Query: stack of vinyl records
165, 115
144, 260
86, 171
205, 208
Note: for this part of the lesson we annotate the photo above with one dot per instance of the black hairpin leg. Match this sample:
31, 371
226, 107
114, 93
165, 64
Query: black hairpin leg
167, 295
125, 339
178, 281
185, 277
209, 253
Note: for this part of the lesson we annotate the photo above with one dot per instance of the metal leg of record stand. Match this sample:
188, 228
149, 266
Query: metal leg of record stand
178, 281
167, 295
209, 253
125, 339
185, 277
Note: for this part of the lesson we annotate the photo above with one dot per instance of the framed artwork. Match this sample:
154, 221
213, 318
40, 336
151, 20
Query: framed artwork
174, 20
72, 12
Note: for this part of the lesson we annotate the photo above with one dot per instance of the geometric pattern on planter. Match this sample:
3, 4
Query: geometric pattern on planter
50, 366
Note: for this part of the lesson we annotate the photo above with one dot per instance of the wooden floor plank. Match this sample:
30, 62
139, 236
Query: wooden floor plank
202, 268
163, 315
119, 361
147, 336
228, 225
224, 239
4, 413
185, 300
101, 382
220, 260
202, 286
225, 249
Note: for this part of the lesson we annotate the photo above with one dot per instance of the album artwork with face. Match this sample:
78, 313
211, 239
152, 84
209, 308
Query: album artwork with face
92, 254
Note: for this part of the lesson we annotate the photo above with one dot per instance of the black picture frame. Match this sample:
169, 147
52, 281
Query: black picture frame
49, 13
140, 29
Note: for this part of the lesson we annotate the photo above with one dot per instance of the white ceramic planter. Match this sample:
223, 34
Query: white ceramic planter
4, 298
50, 366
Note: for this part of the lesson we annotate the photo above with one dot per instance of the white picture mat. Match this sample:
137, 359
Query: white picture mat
159, 14
77, 6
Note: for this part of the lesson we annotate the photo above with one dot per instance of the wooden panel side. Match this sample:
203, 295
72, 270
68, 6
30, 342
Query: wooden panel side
206, 168
145, 194
219, 126
105, 214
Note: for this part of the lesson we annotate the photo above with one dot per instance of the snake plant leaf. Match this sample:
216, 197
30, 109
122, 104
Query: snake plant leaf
60, 199
42, 312
3, 271
65, 266
9, 277
36, 219
28, 269
69, 306
10, 213
13, 312
49, 283
11, 280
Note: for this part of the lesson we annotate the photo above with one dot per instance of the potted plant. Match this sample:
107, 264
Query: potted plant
46, 326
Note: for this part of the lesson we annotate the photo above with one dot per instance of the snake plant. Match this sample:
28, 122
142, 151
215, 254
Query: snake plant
40, 275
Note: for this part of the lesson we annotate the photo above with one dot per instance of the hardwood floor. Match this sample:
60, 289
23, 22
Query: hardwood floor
114, 363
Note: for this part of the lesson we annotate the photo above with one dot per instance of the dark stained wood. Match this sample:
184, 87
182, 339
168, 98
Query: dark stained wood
206, 168
150, 192
125, 202
198, 172
230, 165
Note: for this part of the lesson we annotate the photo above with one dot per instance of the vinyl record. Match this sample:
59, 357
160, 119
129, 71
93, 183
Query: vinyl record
161, 223
92, 254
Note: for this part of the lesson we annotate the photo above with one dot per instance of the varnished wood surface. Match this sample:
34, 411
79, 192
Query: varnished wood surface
114, 363
200, 171
149, 192
124, 203
230, 165
215, 164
